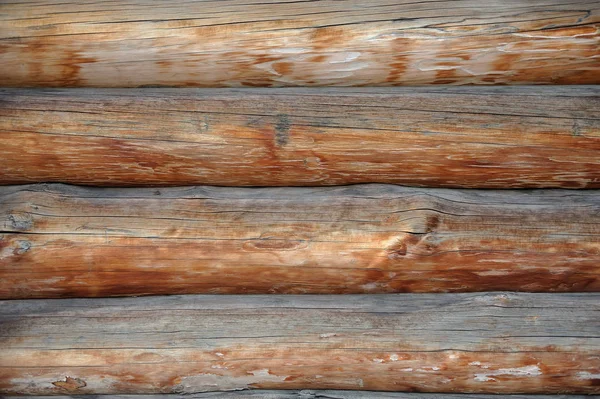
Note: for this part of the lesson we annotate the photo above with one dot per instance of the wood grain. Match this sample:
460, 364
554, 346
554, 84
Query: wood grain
309, 394
481, 137
64, 241
480, 343
298, 43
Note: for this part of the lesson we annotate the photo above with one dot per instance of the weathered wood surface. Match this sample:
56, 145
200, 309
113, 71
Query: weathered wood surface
479, 343
298, 43
309, 394
63, 241
487, 137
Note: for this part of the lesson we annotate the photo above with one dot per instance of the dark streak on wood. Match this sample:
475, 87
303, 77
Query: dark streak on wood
282, 129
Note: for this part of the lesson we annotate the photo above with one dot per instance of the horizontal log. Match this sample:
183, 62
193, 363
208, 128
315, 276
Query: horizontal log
486, 137
298, 43
470, 343
307, 394
64, 241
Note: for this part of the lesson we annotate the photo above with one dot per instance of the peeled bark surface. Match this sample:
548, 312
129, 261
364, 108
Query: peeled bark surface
480, 343
308, 394
476, 137
65, 241
298, 43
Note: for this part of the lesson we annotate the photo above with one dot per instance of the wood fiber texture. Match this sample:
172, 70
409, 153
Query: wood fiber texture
474, 137
65, 241
298, 43
309, 394
480, 343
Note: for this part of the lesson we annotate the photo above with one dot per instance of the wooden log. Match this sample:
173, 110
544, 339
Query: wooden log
308, 394
486, 137
64, 241
298, 43
470, 343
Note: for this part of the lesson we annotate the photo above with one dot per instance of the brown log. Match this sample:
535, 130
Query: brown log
310, 394
63, 241
479, 343
205, 43
487, 137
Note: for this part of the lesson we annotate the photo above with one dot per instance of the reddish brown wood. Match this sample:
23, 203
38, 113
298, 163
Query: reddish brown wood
298, 43
61, 241
479, 343
491, 137
315, 394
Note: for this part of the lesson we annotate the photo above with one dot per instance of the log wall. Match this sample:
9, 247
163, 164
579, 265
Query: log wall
104, 95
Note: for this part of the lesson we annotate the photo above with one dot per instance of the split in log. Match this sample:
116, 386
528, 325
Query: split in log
298, 43
479, 343
64, 241
475, 137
